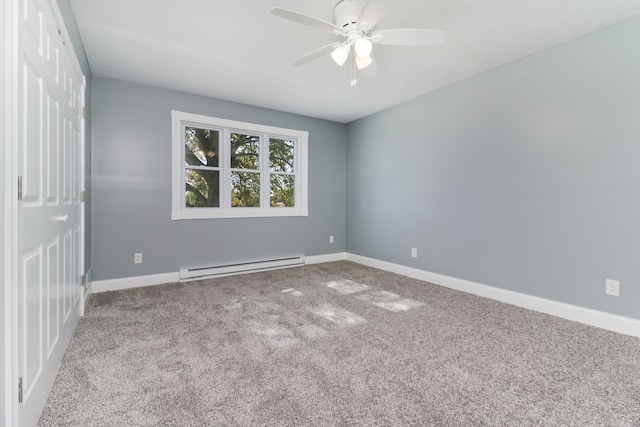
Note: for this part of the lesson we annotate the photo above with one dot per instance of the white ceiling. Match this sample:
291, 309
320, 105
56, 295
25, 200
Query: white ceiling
236, 50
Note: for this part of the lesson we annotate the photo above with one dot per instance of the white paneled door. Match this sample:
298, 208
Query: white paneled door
49, 96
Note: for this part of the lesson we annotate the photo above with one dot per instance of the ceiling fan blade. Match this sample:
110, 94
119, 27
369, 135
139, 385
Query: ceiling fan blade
371, 70
314, 55
304, 19
409, 37
373, 12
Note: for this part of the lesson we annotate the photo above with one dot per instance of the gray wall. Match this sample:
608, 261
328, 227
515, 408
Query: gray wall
525, 178
131, 209
78, 47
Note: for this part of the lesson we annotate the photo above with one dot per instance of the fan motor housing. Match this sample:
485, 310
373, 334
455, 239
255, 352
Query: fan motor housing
346, 13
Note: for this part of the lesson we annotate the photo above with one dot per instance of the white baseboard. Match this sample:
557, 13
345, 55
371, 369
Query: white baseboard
600, 319
319, 259
134, 282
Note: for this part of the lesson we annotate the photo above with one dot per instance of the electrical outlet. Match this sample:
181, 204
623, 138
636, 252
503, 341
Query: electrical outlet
612, 287
330, 239
414, 252
137, 258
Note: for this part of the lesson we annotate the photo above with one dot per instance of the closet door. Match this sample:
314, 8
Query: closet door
49, 164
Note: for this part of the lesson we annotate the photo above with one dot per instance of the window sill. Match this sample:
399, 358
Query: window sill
215, 213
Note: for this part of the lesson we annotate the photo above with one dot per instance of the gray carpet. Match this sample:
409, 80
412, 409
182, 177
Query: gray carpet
336, 344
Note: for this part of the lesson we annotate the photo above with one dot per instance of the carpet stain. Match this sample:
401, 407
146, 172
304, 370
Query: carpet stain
337, 315
246, 308
379, 296
346, 287
234, 305
400, 305
292, 291
273, 332
390, 301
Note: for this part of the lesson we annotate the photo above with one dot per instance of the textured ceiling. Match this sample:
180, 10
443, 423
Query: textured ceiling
238, 51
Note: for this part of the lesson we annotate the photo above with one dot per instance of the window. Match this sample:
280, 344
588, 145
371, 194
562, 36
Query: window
229, 169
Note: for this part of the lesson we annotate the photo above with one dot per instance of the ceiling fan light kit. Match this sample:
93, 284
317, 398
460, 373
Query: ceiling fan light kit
354, 22
363, 62
340, 54
363, 47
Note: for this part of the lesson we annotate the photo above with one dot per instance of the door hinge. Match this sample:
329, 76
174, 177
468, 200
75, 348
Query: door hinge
83, 280
61, 38
82, 112
20, 390
83, 195
20, 188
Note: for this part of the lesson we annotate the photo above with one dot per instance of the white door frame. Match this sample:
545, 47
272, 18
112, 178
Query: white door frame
10, 195
8, 78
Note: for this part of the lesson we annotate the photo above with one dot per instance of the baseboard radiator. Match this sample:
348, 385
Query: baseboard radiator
195, 273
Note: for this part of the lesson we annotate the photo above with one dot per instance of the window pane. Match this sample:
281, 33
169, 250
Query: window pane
201, 147
281, 155
282, 190
245, 151
245, 189
202, 188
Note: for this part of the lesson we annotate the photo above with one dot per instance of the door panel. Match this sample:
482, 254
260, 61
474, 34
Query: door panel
52, 150
75, 258
31, 315
32, 140
52, 56
66, 280
66, 176
75, 161
53, 291
32, 19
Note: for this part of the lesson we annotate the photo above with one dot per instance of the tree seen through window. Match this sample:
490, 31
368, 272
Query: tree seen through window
203, 171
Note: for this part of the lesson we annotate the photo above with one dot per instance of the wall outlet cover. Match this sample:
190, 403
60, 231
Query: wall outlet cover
612, 287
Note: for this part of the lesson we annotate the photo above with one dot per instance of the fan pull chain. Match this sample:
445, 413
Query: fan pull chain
353, 71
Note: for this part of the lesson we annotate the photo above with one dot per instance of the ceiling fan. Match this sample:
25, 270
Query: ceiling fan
354, 22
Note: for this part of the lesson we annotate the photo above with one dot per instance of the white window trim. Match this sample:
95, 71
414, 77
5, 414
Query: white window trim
179, 211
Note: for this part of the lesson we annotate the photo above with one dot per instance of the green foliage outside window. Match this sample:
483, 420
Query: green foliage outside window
281, 161
201, 150
245, 186
202, 179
